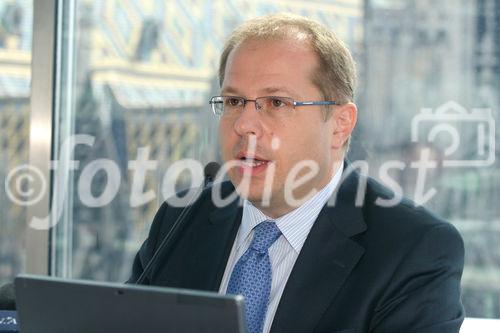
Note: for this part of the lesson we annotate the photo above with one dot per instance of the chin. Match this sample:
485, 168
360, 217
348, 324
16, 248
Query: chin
248, 193
253, 194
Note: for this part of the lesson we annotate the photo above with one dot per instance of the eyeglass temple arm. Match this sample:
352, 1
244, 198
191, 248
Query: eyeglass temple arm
314, 103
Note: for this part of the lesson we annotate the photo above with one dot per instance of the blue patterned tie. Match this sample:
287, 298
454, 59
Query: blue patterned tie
252, 275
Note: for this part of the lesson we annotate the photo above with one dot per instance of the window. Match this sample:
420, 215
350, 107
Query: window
16, 22
132, 83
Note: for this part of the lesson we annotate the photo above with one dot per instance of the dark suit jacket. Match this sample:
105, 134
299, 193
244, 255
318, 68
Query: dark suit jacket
361, 269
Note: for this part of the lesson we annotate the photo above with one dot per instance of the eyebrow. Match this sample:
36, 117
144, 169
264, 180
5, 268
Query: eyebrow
229, 90
268, 90
272, 90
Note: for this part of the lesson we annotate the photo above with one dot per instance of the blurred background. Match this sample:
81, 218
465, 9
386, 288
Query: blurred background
138, 74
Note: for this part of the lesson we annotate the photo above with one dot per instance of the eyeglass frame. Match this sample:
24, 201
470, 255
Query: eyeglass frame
245, 100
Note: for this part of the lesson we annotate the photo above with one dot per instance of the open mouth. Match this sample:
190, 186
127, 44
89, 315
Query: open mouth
252, 162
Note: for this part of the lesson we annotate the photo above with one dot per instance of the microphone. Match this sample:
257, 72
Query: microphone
210, 171
7, 297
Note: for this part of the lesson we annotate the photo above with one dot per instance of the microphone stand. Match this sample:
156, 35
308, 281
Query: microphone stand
210, 171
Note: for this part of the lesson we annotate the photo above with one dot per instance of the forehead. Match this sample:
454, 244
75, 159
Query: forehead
264, 64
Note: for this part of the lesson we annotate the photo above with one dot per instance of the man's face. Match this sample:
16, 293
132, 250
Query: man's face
275, 68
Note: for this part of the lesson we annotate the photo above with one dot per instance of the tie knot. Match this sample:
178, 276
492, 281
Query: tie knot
266, 233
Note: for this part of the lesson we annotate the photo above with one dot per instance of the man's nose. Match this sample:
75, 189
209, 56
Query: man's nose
249, 121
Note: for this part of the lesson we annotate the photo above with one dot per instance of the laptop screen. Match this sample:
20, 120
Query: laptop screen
57, 305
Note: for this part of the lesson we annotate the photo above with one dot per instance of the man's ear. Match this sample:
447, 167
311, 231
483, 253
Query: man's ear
344, 119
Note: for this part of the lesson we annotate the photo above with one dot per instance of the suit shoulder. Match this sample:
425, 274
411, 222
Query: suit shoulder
403, 217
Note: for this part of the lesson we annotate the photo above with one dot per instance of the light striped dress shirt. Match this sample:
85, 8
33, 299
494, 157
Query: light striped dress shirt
294, 226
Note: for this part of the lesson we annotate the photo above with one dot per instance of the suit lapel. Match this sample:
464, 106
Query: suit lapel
324, 263
214, 241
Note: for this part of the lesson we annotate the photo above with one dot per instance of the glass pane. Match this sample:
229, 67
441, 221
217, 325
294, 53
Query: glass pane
137, 79
429, 90
16, 25
141, 76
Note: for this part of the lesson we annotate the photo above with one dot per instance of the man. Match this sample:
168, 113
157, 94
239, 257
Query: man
304, 264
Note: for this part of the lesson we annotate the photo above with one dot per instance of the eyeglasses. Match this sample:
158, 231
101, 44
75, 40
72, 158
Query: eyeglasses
272, 106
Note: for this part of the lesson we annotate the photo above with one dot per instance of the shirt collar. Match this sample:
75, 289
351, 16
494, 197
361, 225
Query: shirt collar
295, 225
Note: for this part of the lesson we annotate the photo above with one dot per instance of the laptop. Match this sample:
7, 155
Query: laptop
55, 305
